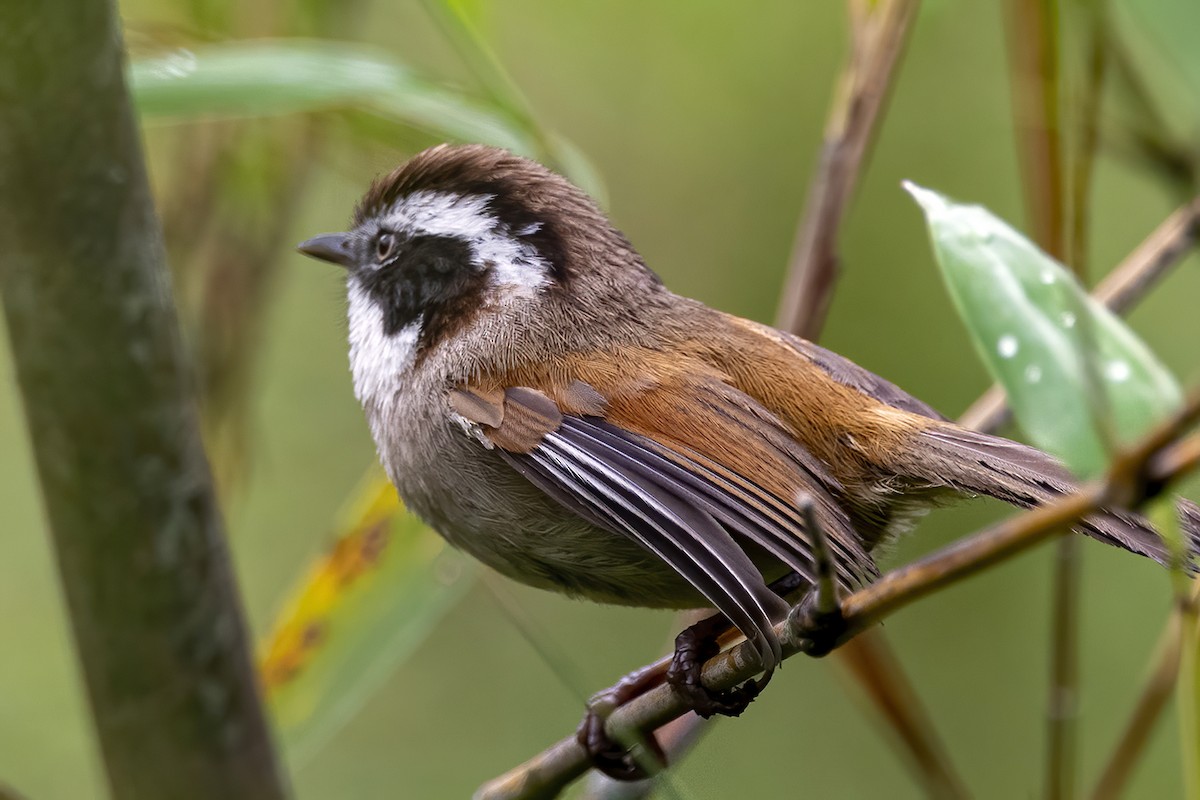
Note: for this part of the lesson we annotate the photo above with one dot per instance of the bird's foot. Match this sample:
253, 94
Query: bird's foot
693, 647
614, 759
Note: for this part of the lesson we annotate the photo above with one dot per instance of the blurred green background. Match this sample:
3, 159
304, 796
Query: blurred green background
704, 120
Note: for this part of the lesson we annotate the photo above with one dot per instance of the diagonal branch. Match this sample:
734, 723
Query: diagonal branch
1151, 465
878, 39
8, 793
874, 664
1120, 290
1156, 693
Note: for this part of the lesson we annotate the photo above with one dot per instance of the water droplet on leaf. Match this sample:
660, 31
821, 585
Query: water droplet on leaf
1117, 371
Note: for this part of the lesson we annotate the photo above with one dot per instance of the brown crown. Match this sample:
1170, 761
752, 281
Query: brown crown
471, 169
564, 224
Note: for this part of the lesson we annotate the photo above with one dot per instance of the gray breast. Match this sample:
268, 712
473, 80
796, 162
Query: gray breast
481, 505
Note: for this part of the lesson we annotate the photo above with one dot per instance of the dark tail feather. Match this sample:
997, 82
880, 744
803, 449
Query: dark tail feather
968, 461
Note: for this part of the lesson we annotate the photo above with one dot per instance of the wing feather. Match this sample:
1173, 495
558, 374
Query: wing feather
774, 515
684, 537
745, 510
672, 492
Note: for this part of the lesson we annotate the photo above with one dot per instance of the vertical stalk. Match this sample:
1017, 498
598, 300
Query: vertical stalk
1058, 219
108, 400
879, 34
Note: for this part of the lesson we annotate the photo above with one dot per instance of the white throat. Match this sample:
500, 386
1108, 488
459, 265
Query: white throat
383, 364
378, 362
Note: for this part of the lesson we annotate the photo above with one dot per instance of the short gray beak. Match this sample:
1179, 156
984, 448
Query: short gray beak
331, 247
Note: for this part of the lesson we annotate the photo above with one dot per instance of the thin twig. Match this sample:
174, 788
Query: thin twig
1033, 44
1056, 194
1086, 138
874, 665
1156, 461
826, 590
878, 39
1062, 702
676, 737
481, 60
1120, 290
8, 793
1156, 693
879, 35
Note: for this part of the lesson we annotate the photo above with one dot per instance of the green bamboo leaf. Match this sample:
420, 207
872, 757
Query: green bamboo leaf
359, 612
277, 77
1031, 322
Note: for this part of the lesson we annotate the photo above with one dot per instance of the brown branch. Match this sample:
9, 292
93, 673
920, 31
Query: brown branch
675, 738
111, 415
1156, 461
878, 39
1120, 291
1156, 693
8, 793
1033, 46
1056, 154
874, 664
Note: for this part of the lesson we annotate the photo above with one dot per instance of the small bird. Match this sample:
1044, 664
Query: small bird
545, 403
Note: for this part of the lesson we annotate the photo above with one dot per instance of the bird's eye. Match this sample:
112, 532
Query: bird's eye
385, 246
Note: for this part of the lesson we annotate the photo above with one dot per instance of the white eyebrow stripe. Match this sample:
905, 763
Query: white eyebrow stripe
443, 214
515, 264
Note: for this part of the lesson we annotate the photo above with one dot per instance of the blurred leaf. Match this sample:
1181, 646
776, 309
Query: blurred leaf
1030, 321
360, 611
470, 11
275, 77
459, 21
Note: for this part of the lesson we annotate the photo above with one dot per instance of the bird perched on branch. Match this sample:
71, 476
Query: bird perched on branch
545, 403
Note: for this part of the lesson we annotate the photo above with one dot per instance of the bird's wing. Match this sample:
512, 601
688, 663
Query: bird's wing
691, 473
843, 370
